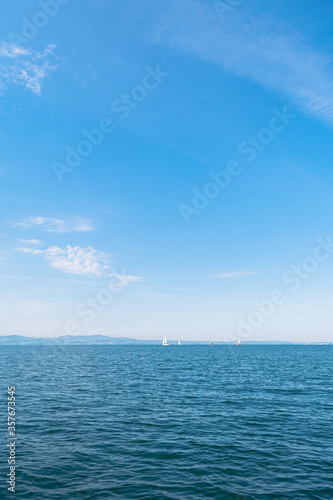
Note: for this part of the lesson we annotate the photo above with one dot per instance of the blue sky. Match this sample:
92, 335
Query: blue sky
177, 90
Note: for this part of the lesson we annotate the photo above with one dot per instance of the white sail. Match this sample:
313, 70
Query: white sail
165, 342
179, 342
238, 342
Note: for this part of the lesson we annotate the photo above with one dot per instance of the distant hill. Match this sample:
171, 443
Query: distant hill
71, 339
105, 340
13, 339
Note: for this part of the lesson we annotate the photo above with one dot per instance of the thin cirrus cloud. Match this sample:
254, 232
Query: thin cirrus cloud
30, 249
257, 47
84, 262
25, 68
87, 261
75, 260
235, 274
13, 51
73, 225
30, 242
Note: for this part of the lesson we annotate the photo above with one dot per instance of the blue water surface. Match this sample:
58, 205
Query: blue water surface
177, 422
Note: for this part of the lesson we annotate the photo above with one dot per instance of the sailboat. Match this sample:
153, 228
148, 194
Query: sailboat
179, 342
210, 341
238, 342
165, 342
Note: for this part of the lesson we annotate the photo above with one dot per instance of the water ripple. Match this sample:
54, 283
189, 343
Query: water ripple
180, 423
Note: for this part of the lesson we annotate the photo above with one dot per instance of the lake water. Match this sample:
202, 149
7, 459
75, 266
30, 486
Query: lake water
176, 422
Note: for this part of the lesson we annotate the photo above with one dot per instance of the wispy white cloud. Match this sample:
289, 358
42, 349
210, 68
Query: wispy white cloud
51, 225
29, 250
235, 274
257, 47
24, 67
30, 242
75, 260
32, 248
14, 51
28, 75
125, 279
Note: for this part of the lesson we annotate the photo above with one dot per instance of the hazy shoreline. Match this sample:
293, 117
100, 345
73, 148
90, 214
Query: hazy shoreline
106, 340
